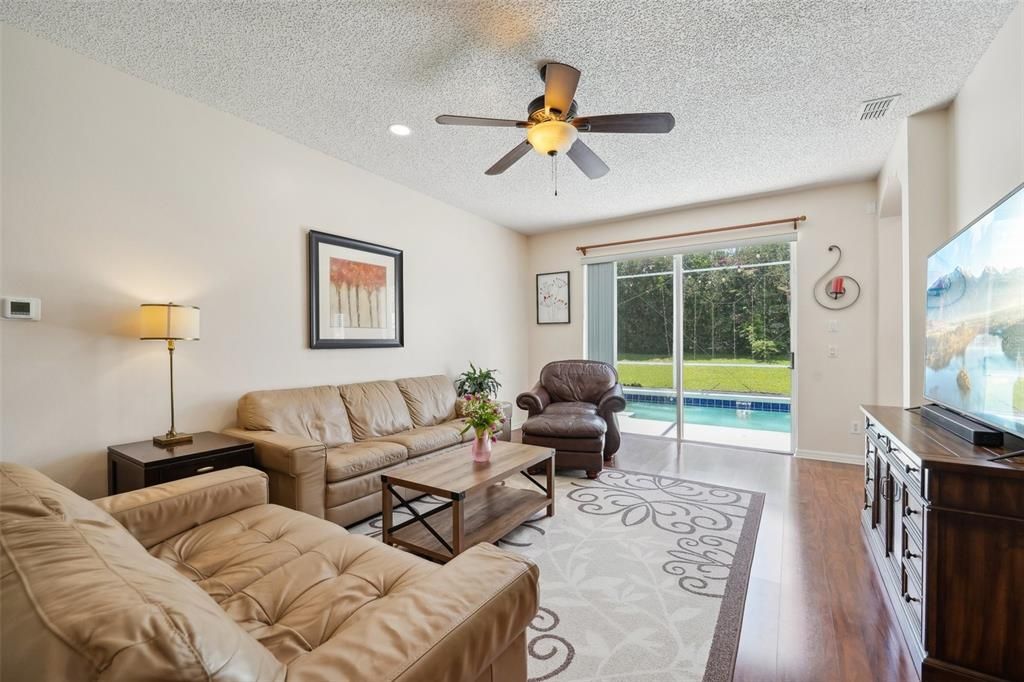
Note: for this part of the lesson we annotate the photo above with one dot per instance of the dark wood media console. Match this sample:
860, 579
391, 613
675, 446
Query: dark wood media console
945, 527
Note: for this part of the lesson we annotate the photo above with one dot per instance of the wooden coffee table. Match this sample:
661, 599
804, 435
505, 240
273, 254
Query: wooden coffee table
483, 509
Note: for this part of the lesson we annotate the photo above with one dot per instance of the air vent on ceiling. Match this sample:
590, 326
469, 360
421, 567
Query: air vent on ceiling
874, 109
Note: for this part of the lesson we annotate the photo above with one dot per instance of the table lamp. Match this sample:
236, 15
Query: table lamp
170, 322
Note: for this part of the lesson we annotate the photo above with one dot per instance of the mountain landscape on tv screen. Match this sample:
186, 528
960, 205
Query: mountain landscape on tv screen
974, 351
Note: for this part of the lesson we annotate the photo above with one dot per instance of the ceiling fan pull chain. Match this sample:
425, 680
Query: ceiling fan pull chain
554, 172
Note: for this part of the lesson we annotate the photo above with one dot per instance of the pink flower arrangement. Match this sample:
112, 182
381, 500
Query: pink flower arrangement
483, 415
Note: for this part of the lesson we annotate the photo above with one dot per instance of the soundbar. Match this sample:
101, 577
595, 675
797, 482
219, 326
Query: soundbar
970, 431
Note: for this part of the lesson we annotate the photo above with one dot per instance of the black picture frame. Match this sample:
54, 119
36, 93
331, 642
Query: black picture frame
568, 297
314, 241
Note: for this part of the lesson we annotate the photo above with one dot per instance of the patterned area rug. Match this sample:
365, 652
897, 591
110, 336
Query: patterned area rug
643, 577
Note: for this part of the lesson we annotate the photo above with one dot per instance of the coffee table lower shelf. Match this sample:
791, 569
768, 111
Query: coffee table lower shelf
488, 516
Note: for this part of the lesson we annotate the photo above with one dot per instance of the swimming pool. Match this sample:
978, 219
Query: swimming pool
713, 416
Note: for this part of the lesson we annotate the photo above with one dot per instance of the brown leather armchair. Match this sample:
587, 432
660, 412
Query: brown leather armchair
572, 409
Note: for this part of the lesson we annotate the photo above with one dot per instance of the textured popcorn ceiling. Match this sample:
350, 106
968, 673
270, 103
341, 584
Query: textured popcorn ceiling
766, 95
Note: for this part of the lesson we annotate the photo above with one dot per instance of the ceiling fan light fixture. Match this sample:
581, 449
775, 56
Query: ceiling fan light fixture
551, 137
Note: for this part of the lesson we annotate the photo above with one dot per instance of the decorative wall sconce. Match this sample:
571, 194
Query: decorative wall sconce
836, 292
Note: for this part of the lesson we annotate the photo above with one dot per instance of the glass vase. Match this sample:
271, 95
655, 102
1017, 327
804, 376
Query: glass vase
482, 448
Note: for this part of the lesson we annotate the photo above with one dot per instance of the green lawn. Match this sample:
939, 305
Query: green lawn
647, 357
697, 377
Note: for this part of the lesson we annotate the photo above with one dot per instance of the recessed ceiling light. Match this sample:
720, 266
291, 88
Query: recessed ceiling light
399, 129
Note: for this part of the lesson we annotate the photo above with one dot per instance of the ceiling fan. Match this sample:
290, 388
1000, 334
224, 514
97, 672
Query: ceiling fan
552, 126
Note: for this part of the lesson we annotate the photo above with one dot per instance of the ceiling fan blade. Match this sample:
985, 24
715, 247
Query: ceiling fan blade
560, 81
506, 161
589, 162
447, 120
626, 123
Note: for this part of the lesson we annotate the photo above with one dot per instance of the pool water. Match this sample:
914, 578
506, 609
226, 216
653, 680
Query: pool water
714, 416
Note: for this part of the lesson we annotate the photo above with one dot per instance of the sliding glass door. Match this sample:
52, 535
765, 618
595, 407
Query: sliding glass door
645, 343
736, 346
702, 342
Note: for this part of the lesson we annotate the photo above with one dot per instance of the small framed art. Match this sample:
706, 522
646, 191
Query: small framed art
553, 298
355, 293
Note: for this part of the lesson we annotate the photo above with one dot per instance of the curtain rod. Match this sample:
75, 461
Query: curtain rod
763, 223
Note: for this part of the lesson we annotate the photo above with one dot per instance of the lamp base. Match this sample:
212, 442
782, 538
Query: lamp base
172, 438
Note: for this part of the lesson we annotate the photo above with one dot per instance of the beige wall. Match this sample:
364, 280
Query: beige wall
892, 179
986, 127
828, 390
924, 221
120, 193
889, 367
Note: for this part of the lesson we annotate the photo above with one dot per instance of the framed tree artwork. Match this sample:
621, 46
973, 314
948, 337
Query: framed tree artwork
553, 298
355, 293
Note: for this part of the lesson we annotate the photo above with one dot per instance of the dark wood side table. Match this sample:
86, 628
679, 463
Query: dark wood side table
131, 466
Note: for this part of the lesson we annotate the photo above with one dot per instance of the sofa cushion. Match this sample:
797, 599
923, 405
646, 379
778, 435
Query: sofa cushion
354, 459
566, 425
458, 425
577, 380
375, 408
290, 580
431, 400
317, 413
425, 439
340, 493
84, 601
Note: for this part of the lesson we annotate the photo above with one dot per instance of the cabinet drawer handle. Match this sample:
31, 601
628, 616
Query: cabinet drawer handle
203, 470
910, 555
907, 598
911, 469
907, 511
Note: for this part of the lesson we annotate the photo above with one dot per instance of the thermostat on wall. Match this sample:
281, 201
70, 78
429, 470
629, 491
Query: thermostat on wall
20, 308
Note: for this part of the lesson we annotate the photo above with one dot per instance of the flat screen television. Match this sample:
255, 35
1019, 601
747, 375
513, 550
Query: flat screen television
974, 349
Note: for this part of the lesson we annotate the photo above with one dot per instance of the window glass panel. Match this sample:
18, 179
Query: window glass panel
645, 322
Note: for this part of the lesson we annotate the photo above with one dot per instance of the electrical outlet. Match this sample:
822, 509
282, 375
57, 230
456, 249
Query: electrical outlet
833, 350
855, 426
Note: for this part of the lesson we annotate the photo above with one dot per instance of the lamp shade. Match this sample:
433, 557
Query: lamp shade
169, 321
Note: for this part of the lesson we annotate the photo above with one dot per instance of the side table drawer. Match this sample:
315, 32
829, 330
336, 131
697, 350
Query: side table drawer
204, 465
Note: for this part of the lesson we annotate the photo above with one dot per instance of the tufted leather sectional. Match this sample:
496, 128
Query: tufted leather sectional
201, 579
325, 447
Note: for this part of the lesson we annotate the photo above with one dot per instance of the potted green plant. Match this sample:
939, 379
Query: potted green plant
485, 417
477, 381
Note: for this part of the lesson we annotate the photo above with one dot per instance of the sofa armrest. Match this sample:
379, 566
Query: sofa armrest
162, 511
448, 626
297, 467
613, 400
535, 400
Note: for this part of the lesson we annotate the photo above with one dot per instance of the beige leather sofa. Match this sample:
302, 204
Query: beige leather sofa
325, 447
201, 579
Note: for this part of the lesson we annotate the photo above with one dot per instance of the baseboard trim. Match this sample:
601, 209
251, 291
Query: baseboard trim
838, 457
